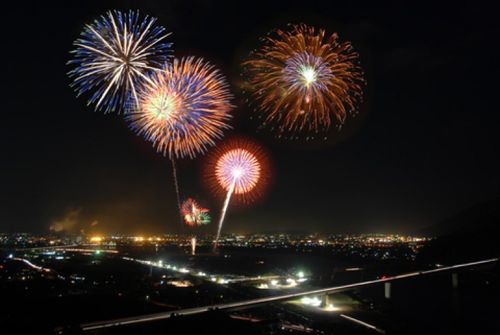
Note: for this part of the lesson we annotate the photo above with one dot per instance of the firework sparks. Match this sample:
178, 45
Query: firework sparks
238, 170
114, 54
183, 109
194, 215
304, 81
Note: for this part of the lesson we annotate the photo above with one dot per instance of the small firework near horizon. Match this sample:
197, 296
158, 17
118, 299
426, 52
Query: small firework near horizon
193, 214
113, 55
183, 109
303, 81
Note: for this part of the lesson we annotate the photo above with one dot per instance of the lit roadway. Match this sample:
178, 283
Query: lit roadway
62, 246
266, 300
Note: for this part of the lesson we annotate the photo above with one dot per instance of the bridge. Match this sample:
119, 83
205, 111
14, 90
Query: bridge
280, 298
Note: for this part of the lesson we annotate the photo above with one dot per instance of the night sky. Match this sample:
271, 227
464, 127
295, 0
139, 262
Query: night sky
424, 146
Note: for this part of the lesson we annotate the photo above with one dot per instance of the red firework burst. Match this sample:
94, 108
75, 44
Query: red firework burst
239, 166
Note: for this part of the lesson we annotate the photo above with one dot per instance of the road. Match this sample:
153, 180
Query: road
266, 300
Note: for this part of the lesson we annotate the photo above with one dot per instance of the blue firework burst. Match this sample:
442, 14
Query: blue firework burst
114, 54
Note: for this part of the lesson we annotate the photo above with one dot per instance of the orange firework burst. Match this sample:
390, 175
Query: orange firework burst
305, 81
183, 109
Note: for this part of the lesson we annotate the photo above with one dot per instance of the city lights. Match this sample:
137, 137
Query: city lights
314, 301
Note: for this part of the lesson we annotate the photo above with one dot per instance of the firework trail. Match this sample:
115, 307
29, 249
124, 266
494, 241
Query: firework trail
224, 210
193, 245
183, 109
304, 81
115, 53
176, 185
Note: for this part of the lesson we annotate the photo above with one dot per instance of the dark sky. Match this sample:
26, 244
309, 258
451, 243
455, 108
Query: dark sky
424, 147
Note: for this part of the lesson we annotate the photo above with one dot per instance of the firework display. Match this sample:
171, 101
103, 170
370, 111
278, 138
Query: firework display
301, 81
183, 109
114, 54
193, 214
304, 81
238, 169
